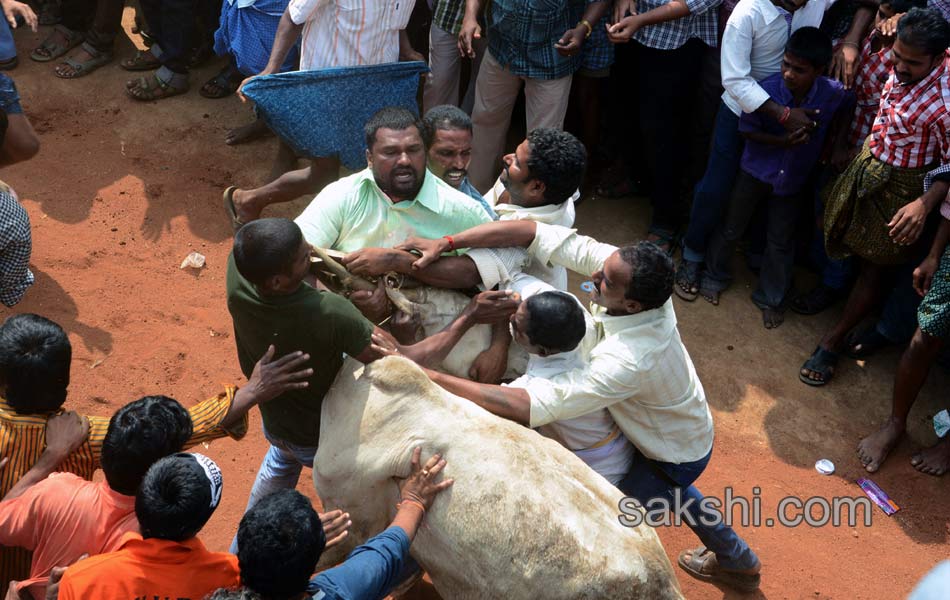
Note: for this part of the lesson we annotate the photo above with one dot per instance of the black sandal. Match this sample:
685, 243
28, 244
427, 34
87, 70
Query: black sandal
822, 362
222, 85
687, 280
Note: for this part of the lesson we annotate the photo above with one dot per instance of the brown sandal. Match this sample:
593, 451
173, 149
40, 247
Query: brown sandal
50, 50
142, 61
151, 88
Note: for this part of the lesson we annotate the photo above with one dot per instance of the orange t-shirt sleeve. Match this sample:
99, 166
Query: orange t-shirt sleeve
21, 519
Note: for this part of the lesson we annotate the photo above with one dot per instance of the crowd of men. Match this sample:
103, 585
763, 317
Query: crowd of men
824, 128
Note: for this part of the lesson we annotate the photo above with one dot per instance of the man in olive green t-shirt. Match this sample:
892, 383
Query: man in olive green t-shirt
270, 303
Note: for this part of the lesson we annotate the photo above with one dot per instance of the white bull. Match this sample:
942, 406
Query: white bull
525, 519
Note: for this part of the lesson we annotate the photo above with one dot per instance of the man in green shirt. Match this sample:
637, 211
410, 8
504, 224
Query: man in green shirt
270, 303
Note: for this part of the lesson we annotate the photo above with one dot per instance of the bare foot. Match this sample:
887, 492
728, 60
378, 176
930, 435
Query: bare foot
934, 460
710, 296
244, 210
247, 133
772, 317
873, 449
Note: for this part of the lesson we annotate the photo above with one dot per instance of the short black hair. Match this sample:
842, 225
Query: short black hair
558, 160
651, 274
280, 540
34, 363
175, 500
556, 321
924, 28
391, 117
811, 45
140, 434
903, 6
444, 117
266, 247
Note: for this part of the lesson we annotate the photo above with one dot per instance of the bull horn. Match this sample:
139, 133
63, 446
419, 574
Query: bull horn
352, 282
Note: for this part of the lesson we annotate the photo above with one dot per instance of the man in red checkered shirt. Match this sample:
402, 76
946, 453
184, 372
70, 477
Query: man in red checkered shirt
877, 208
874, 72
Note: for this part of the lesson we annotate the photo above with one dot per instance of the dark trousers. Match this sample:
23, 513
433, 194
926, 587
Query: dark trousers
649, 479
712, 191
99, 20
775, 278
669, 80
172, 24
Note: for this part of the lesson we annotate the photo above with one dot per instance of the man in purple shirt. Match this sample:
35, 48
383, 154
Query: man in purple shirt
775, 168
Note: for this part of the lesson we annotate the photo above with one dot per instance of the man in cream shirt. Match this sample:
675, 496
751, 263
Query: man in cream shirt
638, 370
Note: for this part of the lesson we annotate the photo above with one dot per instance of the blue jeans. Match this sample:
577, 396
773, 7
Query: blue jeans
7, 47
280, 470
650, 478
713, 190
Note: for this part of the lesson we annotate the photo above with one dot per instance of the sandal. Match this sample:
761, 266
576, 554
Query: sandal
821, 362
9, 65
699, 558
51, 50
228, 197
152, 88
221, 85
815, 301
83, 68
687, 280
141, 61
867, 344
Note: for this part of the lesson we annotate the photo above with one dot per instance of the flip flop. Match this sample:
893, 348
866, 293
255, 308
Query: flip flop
223, 83
9, 65
687, 278
228, 198
822, 362
744, 582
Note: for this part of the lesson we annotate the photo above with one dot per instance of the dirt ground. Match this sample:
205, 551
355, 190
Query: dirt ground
121, 191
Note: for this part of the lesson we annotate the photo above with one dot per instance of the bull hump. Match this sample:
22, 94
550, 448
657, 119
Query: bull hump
395, 374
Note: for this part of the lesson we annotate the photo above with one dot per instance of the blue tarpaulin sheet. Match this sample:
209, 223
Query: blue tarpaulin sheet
321, 113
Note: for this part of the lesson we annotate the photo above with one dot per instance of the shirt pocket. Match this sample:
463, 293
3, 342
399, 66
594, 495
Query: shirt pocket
398, 11
901, 131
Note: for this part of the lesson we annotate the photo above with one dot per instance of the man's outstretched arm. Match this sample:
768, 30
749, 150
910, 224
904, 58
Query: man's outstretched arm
497, 234
506, 402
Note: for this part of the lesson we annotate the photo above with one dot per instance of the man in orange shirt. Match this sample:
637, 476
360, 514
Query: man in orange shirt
176, 499
63, 516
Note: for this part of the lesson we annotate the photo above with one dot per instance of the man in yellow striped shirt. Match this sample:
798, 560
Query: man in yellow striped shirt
34, 374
